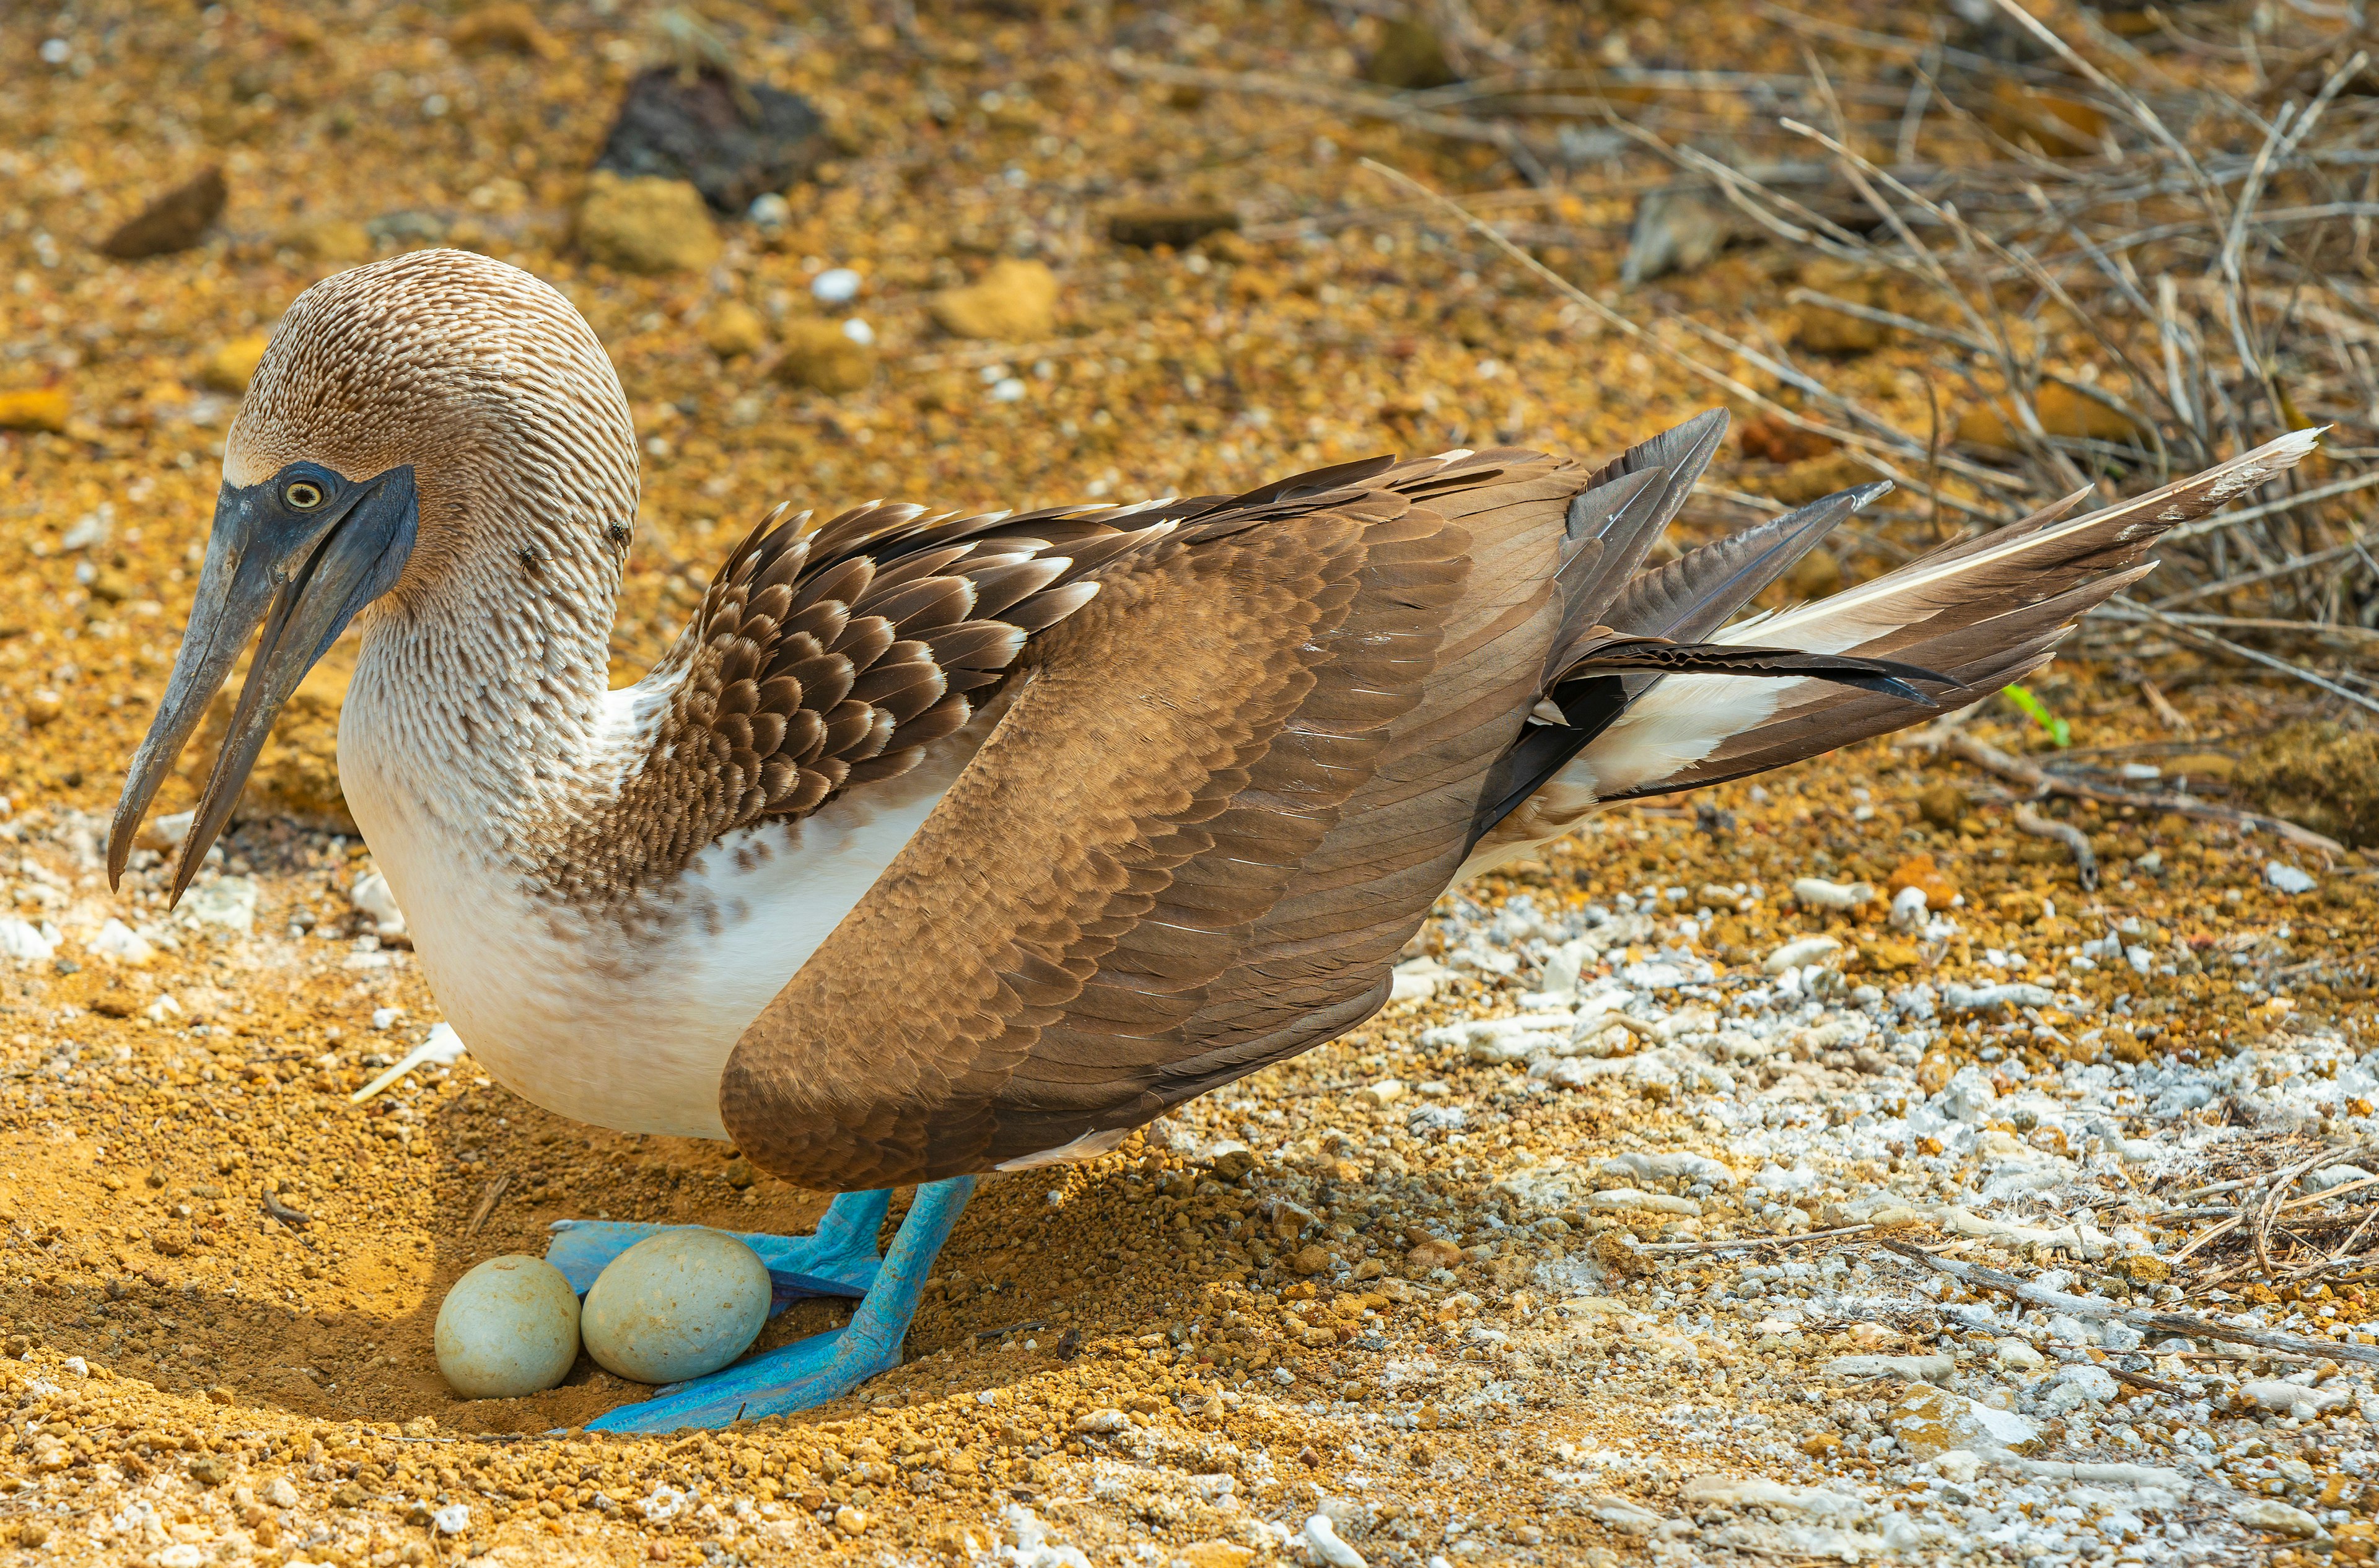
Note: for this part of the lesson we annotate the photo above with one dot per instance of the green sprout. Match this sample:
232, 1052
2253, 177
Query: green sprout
2060, 734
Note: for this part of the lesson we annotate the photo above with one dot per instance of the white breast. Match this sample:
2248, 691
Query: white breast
624, 1030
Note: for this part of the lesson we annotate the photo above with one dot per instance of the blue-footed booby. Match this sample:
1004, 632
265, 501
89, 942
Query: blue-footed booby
941, 845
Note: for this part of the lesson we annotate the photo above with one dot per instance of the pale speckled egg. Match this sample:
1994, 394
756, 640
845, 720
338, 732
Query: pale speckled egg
676, 1306
509, 1327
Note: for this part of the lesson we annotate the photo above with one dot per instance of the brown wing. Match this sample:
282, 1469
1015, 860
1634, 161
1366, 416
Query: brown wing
1075, 924
826, 658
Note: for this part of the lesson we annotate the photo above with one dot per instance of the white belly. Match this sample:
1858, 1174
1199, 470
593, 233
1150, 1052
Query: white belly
567, 1012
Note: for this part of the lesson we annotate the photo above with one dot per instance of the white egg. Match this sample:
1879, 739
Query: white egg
676, 1306
509, 1327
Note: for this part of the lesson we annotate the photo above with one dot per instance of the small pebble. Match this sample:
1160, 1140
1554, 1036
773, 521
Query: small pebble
2287, 878
836, 286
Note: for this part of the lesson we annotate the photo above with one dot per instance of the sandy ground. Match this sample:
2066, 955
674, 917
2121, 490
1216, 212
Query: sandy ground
1398, 1286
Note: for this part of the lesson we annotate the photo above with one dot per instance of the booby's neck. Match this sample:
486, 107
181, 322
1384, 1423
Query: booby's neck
480, 715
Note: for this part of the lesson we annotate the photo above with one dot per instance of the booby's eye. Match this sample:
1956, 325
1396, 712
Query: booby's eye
304, 495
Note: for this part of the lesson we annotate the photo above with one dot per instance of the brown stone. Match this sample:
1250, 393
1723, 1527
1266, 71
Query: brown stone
1179, 227
735, 328
341, 241
646, 225
820, 356
1768, 438
1433, 1254
1410, 58
229, 366
1944, 806
1015, 301
1934, 1071
2046, 122
2062, 412
176, 220
1309, 1259
506, 28
1215, 1554
36, 408
1824, 329
1919, 872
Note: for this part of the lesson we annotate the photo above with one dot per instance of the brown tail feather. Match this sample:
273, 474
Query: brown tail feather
1982, 613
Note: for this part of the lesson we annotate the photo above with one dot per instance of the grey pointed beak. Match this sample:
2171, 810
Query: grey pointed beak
301, 574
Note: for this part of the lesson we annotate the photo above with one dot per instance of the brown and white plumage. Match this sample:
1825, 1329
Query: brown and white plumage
940, 844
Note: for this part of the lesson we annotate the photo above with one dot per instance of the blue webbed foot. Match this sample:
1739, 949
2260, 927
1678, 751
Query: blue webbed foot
839, 1261
809, 1371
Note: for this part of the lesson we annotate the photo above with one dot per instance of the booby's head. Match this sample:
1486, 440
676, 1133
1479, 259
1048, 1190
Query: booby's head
421, 431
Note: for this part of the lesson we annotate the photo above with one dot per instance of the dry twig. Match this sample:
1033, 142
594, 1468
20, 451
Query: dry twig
2147, 1321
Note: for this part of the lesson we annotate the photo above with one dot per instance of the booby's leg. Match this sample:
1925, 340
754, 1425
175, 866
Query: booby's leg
840, 1260
811, 1372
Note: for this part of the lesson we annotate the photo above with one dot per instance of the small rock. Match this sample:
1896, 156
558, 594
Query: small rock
1799, 952
120, 942
2274, 1517
1416, 979
2061, 411
376, 902
227, 901
2048, 122
1620, 1199
1432, 1253
1674, 1165
1913, 1369
1309, 1259
1817, 893
2012, 1351
851, 1521
2077, 1386
176, 220
22, 940
36, 408
1826, 330
1919, 874
1015, 301
1387, 1091
735, 328
209, 1470
646, 224
836, 287
1410, 57
1229, 1159
1969, 1095
1179, 227
231, 365
822, 357
1957, 998
1102, 1421
740, 1173
451, 1520
1944, 806
280, 1493
732, 141
506, 28
1768, 439
2295, 1399
2286, 878
1321, 1538
340, 241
